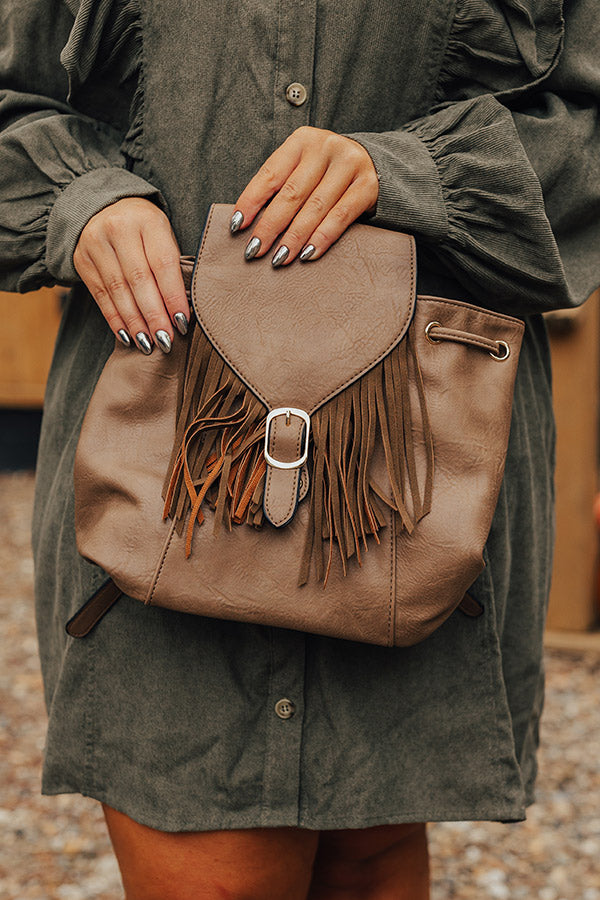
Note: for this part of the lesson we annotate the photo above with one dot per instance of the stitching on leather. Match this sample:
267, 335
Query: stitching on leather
205, 235
510, 320
161, 564
267, 496
216, 344
394, 343
210, 336
294, 492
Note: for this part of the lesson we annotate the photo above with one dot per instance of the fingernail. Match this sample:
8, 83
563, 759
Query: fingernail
124, 337
143, 342
181, 323
280, 256
307, 252
252, 248
237, 220
163, 340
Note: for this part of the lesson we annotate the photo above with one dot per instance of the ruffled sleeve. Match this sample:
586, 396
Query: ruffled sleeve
59, 166
503, 188
103, 61
495, 47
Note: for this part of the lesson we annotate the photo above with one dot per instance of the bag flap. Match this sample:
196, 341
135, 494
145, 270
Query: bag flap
299, 334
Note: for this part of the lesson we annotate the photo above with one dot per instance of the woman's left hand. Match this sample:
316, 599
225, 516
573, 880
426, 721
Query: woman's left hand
318, 183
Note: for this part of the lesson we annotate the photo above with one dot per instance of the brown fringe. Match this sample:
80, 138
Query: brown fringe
218, 455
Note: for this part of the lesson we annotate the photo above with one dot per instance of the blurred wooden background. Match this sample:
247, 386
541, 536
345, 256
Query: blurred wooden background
32, 321
575, 339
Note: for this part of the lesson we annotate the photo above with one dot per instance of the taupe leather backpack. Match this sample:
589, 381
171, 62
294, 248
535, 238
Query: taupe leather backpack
322, 452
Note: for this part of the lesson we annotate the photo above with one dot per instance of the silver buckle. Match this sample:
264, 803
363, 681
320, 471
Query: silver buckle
287, 411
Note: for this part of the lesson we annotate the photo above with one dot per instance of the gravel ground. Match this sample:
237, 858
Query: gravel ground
56, 848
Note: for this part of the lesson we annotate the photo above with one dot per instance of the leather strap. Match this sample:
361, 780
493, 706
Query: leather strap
88, 616
470, 606
436, 332
282, 485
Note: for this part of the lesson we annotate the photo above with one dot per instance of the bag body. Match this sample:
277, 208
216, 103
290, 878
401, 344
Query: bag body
403, 404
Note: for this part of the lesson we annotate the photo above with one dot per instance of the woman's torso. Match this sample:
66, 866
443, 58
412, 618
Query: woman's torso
198, 92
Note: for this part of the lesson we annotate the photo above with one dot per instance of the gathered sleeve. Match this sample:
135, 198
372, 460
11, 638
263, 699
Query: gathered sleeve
58, 167
503, 189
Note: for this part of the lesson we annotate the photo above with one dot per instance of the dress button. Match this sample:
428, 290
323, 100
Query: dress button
284, 708
295, 93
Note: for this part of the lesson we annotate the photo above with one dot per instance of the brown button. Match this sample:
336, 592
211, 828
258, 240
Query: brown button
295, 93
284, 708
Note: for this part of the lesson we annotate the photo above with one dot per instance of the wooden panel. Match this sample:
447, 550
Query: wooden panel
575, 357
29, 325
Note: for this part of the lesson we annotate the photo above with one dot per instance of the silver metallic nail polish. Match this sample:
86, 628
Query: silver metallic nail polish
252, 248
237, 221
280, 256
307, 252
181, 323
124, 337
163, 340
143, 342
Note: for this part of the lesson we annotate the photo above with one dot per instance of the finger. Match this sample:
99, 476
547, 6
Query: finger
142, 286
352, 204
286, 203
90, 277
115, 283
324, 198
268, 180
163, 255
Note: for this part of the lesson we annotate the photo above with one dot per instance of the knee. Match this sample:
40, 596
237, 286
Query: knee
369, 862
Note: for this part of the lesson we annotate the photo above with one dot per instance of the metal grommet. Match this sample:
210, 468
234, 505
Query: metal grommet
428, 329
502, 345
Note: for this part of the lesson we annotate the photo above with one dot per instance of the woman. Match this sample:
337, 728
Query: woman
472, 125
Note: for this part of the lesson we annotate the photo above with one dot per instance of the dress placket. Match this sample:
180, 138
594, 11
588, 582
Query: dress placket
285, 718
292, 96
294, 68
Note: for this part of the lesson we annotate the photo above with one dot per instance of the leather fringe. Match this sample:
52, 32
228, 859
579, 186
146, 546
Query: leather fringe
218, 455
346, 503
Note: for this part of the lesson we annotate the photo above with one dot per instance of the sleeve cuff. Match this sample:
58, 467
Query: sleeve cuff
82, 198
410, 192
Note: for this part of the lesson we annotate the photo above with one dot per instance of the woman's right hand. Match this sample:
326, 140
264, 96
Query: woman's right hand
128, 258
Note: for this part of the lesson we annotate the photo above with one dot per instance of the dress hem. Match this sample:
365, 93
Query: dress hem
318, 823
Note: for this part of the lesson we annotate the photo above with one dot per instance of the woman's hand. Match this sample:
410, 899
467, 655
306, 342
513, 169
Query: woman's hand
128, 257
318, 183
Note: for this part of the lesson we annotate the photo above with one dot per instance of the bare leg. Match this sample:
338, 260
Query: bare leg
241, 864
386, 862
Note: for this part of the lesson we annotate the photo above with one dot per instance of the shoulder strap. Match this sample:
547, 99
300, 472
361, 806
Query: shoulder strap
88, 616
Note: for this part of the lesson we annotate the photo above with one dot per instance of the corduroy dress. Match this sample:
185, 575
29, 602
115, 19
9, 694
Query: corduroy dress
482, 120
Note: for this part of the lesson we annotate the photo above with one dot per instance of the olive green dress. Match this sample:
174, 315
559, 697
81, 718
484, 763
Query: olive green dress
481, 118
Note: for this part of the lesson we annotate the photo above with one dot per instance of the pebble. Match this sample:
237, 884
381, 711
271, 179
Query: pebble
56, 848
